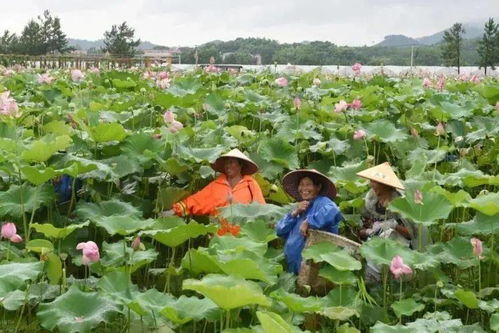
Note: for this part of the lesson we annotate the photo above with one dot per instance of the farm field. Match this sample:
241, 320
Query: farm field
94, 156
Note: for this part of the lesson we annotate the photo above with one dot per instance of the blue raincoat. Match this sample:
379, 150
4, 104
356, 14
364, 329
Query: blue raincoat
322, 214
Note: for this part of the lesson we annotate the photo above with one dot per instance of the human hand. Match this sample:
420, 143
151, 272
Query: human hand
389, 224
301, 207
304, 228
167, 213
376, 227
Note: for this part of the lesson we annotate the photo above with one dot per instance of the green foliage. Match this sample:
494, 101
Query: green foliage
119, 41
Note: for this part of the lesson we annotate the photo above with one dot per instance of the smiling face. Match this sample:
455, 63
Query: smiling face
307, 189
232, 167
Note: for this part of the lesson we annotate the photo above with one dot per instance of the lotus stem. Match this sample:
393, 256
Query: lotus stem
385, 281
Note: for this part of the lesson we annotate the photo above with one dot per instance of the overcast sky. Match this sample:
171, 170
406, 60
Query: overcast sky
194, 22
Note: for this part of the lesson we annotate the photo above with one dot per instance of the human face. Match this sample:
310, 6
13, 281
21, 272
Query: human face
307, 189
380, 189
232, 167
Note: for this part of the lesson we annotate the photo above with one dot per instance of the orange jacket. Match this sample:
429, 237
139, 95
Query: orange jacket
218, 194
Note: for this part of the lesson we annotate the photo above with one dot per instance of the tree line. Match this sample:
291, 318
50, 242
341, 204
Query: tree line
44, 35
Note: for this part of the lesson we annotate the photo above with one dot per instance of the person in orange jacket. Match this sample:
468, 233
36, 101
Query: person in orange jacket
233, 185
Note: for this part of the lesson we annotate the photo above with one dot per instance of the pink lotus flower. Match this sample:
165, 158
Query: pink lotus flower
16, 239
90, 252
45, 78
356, 104
414, 132
168, 117
175, 126
359, 134
477, 247
475, 79
9, 231
94, 70
163, 84
8, 105
211, 69
427, 83
8, 73
77, 75
441, 83
136, 243
163, 75
340, 106
316, 82
297, 103
439, 129
281, 82
398, 268
356, 68
418, 197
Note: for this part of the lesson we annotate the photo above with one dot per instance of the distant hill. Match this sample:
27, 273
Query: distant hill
472, 30
83, 44
398, 41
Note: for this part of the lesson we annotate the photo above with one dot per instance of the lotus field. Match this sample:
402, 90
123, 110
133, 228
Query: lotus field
89, 161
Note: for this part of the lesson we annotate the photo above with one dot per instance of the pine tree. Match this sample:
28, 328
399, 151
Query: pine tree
119, 41
32, 41
451, 49
8, 42
488, 46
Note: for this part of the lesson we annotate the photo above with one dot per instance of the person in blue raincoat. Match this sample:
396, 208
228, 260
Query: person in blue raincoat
315, 209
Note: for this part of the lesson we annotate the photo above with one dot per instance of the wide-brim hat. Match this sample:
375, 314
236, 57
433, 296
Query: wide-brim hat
382, 173
249, 167
291, 180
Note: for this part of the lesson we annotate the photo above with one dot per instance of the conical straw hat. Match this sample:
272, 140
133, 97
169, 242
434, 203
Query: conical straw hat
249, 167
291, 180
382, 173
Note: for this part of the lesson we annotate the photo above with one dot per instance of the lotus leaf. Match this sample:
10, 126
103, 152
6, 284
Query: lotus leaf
41, 150
106, 132
76, 311
123, 224
38, 176
228, 292
468, 298
249, 265
336, 276
487, 204
21, 199
434, 206
58, 127
177, 235
279, 151
382, 250
406, 307
185, 309
118, 286
118, 256
253, 211
231, 244
53, 268
258, 231
340, 313
385, 131
384, 328
13, 300
41, 246
200, 261
48, 230
94, 211
297, 303
457, 251
494, 322
333, 255
273, 323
